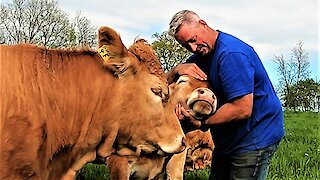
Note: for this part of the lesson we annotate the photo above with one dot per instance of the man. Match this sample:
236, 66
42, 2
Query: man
248, 125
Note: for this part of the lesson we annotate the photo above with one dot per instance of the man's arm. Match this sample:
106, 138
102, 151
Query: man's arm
238, 109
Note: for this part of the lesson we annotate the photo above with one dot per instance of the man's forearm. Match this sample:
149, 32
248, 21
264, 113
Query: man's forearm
223, 115
236, 110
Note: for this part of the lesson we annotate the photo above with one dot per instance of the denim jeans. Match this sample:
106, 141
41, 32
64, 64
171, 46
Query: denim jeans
251, 165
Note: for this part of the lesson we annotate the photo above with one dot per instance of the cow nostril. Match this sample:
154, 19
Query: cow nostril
201, 91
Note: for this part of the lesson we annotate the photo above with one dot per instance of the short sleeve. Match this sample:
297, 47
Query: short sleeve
237, 75
191, 59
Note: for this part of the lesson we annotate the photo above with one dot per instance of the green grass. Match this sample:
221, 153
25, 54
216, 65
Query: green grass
197, 174
93, 172
298, 156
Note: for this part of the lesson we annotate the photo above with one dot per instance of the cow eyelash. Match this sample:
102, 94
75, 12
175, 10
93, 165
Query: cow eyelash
181, 81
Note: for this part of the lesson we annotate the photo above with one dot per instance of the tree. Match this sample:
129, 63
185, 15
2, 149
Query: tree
290, 73
41, 22
169, 51
306, 95
84, 33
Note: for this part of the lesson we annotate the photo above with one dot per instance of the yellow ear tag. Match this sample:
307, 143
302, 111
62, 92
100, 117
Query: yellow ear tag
104, 52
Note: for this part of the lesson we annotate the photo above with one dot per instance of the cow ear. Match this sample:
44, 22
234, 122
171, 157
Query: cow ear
113, 52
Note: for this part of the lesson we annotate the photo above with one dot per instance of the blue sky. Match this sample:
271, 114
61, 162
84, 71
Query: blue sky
272, 27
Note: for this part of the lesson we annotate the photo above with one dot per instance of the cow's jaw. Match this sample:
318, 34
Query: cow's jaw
175, 146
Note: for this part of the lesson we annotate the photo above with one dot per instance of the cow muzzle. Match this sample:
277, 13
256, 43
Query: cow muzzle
202, 103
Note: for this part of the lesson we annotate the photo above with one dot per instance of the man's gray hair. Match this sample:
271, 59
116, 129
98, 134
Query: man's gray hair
184, 16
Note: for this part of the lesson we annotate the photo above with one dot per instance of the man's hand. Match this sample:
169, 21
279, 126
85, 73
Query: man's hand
184, 115
191, 69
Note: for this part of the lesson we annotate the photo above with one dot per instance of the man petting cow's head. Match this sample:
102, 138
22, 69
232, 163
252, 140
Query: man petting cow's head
193, 95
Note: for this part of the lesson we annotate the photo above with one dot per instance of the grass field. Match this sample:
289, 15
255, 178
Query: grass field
298, 157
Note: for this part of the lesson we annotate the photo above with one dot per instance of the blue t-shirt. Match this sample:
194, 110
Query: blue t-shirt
234, 70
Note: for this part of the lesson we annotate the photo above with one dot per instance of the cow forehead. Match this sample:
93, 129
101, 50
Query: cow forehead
183, 78
186, 84
191, 81
145, 54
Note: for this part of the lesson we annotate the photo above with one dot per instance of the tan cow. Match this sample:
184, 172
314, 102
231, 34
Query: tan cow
59, 108
199, 150
195, 96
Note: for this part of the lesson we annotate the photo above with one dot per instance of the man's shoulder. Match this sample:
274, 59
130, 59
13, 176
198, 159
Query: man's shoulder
226, 36
231, 43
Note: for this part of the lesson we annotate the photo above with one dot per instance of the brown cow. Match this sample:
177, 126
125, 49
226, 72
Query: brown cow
200, 101
59, 108
195, 96
199, 151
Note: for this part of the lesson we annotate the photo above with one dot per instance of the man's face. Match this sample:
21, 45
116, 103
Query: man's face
194, 38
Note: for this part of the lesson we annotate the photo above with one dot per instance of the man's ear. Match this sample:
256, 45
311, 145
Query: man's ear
203, 23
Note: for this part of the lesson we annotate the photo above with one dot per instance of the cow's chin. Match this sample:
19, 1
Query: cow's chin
176, 146
201, 109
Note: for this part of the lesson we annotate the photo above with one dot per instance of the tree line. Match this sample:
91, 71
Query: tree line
41, 22
297, 90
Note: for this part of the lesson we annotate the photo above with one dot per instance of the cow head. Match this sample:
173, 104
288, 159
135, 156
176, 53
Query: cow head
201, 101
145, 125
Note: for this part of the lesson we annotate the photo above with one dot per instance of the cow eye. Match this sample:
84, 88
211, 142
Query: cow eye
181, 81
157, 91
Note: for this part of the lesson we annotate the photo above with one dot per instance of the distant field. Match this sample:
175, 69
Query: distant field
298, 157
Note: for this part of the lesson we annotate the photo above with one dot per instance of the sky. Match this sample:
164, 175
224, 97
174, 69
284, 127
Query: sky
271, 27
